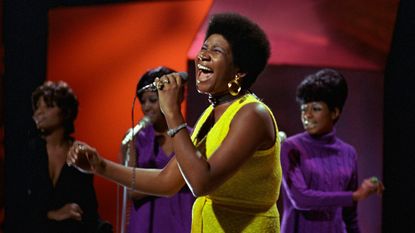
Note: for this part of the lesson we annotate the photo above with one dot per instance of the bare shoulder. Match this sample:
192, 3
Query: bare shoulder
254, 111
255, 119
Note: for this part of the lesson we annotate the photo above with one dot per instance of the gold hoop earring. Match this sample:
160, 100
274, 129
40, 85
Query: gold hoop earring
234, 87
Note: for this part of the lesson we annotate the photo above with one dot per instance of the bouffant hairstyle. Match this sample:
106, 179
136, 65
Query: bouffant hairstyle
149, 76
61, 95
326, 85
249, 43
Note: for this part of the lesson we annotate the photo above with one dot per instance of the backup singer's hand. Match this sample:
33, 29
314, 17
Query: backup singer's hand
84, 157
368, 187
68, 211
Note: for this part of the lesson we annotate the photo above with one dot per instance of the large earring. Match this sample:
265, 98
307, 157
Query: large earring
234, 87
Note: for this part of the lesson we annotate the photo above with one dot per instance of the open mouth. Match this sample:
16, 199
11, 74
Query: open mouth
308, 124
205, 73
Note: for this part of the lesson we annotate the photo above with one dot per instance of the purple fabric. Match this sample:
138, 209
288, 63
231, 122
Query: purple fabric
319, 175
158, 214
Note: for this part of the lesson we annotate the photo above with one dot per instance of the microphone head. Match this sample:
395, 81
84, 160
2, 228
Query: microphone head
141, 87
133, 131
145, 121
282, 135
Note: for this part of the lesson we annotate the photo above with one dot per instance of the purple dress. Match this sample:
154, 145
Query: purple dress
158, 214
319, 176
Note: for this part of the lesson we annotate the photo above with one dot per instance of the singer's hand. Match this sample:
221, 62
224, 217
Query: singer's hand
68, 211
170, 92
84, 157
367, 188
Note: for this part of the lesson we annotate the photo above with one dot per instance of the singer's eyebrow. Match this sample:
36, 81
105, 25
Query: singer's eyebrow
215, 44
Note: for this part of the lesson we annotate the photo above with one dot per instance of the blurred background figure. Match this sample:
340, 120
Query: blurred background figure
153, 148
62, 198
320, 181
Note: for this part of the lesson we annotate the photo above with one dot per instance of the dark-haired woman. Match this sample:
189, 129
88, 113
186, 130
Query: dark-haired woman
320, 184
153, 149
62, 198
231, 160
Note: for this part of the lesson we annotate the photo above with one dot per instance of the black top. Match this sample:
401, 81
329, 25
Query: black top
72, 186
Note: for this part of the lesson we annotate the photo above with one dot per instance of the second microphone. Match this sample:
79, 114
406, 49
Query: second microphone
153, 86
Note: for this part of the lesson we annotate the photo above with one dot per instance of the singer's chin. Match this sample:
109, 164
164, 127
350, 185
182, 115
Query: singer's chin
40, 132
200, 90
308, 125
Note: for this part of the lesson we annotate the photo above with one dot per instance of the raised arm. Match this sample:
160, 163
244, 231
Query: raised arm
251, 129
158, 182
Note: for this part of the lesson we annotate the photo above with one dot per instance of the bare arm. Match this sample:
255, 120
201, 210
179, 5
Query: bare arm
129, 152
251, 129
158, 182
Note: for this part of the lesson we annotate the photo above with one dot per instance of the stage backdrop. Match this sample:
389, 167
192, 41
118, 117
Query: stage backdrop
102, 50
352, 36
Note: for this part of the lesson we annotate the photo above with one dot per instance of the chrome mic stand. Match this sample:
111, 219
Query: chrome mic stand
124, 193
128, 139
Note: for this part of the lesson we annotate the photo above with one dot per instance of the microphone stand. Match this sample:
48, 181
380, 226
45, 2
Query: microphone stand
127, 141
124, 193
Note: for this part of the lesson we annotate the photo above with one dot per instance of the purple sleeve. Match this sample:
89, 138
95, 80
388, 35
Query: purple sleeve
301, 196
350, 213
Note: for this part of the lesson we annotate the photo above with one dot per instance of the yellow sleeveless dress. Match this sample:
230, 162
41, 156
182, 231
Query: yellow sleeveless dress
247, 201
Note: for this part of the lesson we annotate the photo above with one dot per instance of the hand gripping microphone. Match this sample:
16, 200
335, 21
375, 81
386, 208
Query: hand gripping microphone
153, 86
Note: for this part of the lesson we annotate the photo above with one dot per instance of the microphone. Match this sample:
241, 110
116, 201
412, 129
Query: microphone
141, 125
153, 87
282, 135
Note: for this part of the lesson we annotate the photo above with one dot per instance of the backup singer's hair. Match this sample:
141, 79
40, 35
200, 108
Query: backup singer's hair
58, 94
326, 85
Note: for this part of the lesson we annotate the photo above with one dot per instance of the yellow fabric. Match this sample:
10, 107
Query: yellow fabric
247, 201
